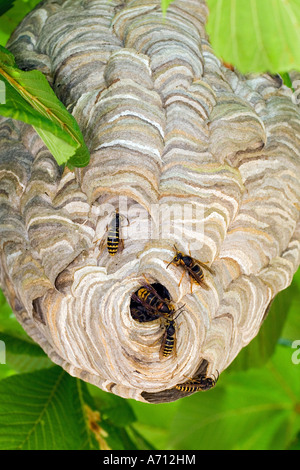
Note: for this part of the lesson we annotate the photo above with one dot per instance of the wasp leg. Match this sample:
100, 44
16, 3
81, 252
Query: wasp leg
102, 243
101, 247
192, 280
187, 377
168, 262
181, 278
147, 280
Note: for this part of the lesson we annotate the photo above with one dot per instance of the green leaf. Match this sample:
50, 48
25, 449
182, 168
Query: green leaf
118, 414
254, 409
29, 98
8, 321
19, 346
113, 408
256, 35
6, 57
165, 4
291, 330
5, 371
262, 347
48, 410
154, 422
287, 80
10, 20
22, 363
5, 5
22, 355
141, 443
296, 443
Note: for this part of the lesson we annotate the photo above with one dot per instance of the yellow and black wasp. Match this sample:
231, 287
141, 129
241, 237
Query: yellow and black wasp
168, 345
151, 304
192, 266
198, 383
148, 305
113, 235
113, 239
141, 313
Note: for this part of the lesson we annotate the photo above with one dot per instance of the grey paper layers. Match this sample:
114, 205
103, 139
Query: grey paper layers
168, 126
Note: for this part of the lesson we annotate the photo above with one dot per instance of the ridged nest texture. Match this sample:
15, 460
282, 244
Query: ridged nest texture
168, 126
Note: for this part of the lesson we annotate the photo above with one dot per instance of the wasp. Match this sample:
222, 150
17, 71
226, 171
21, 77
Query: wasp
113, 240
152, 302
147, 305
113, 235
141, 314
198, 383
168, 345
192, 266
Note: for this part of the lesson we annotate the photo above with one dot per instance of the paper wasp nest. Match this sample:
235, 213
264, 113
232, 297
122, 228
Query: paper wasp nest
210, 156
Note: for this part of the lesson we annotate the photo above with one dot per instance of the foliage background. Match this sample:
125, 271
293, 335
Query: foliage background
256, 404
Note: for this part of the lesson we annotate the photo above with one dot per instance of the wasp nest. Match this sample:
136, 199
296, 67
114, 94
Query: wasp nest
194, 168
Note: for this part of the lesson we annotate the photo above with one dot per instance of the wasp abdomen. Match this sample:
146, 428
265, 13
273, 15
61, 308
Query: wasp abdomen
169, 344
140, 314
113, 236
197, 384
152, 300
187, 388
169, 339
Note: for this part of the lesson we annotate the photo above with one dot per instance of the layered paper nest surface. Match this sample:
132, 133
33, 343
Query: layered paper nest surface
190, 152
